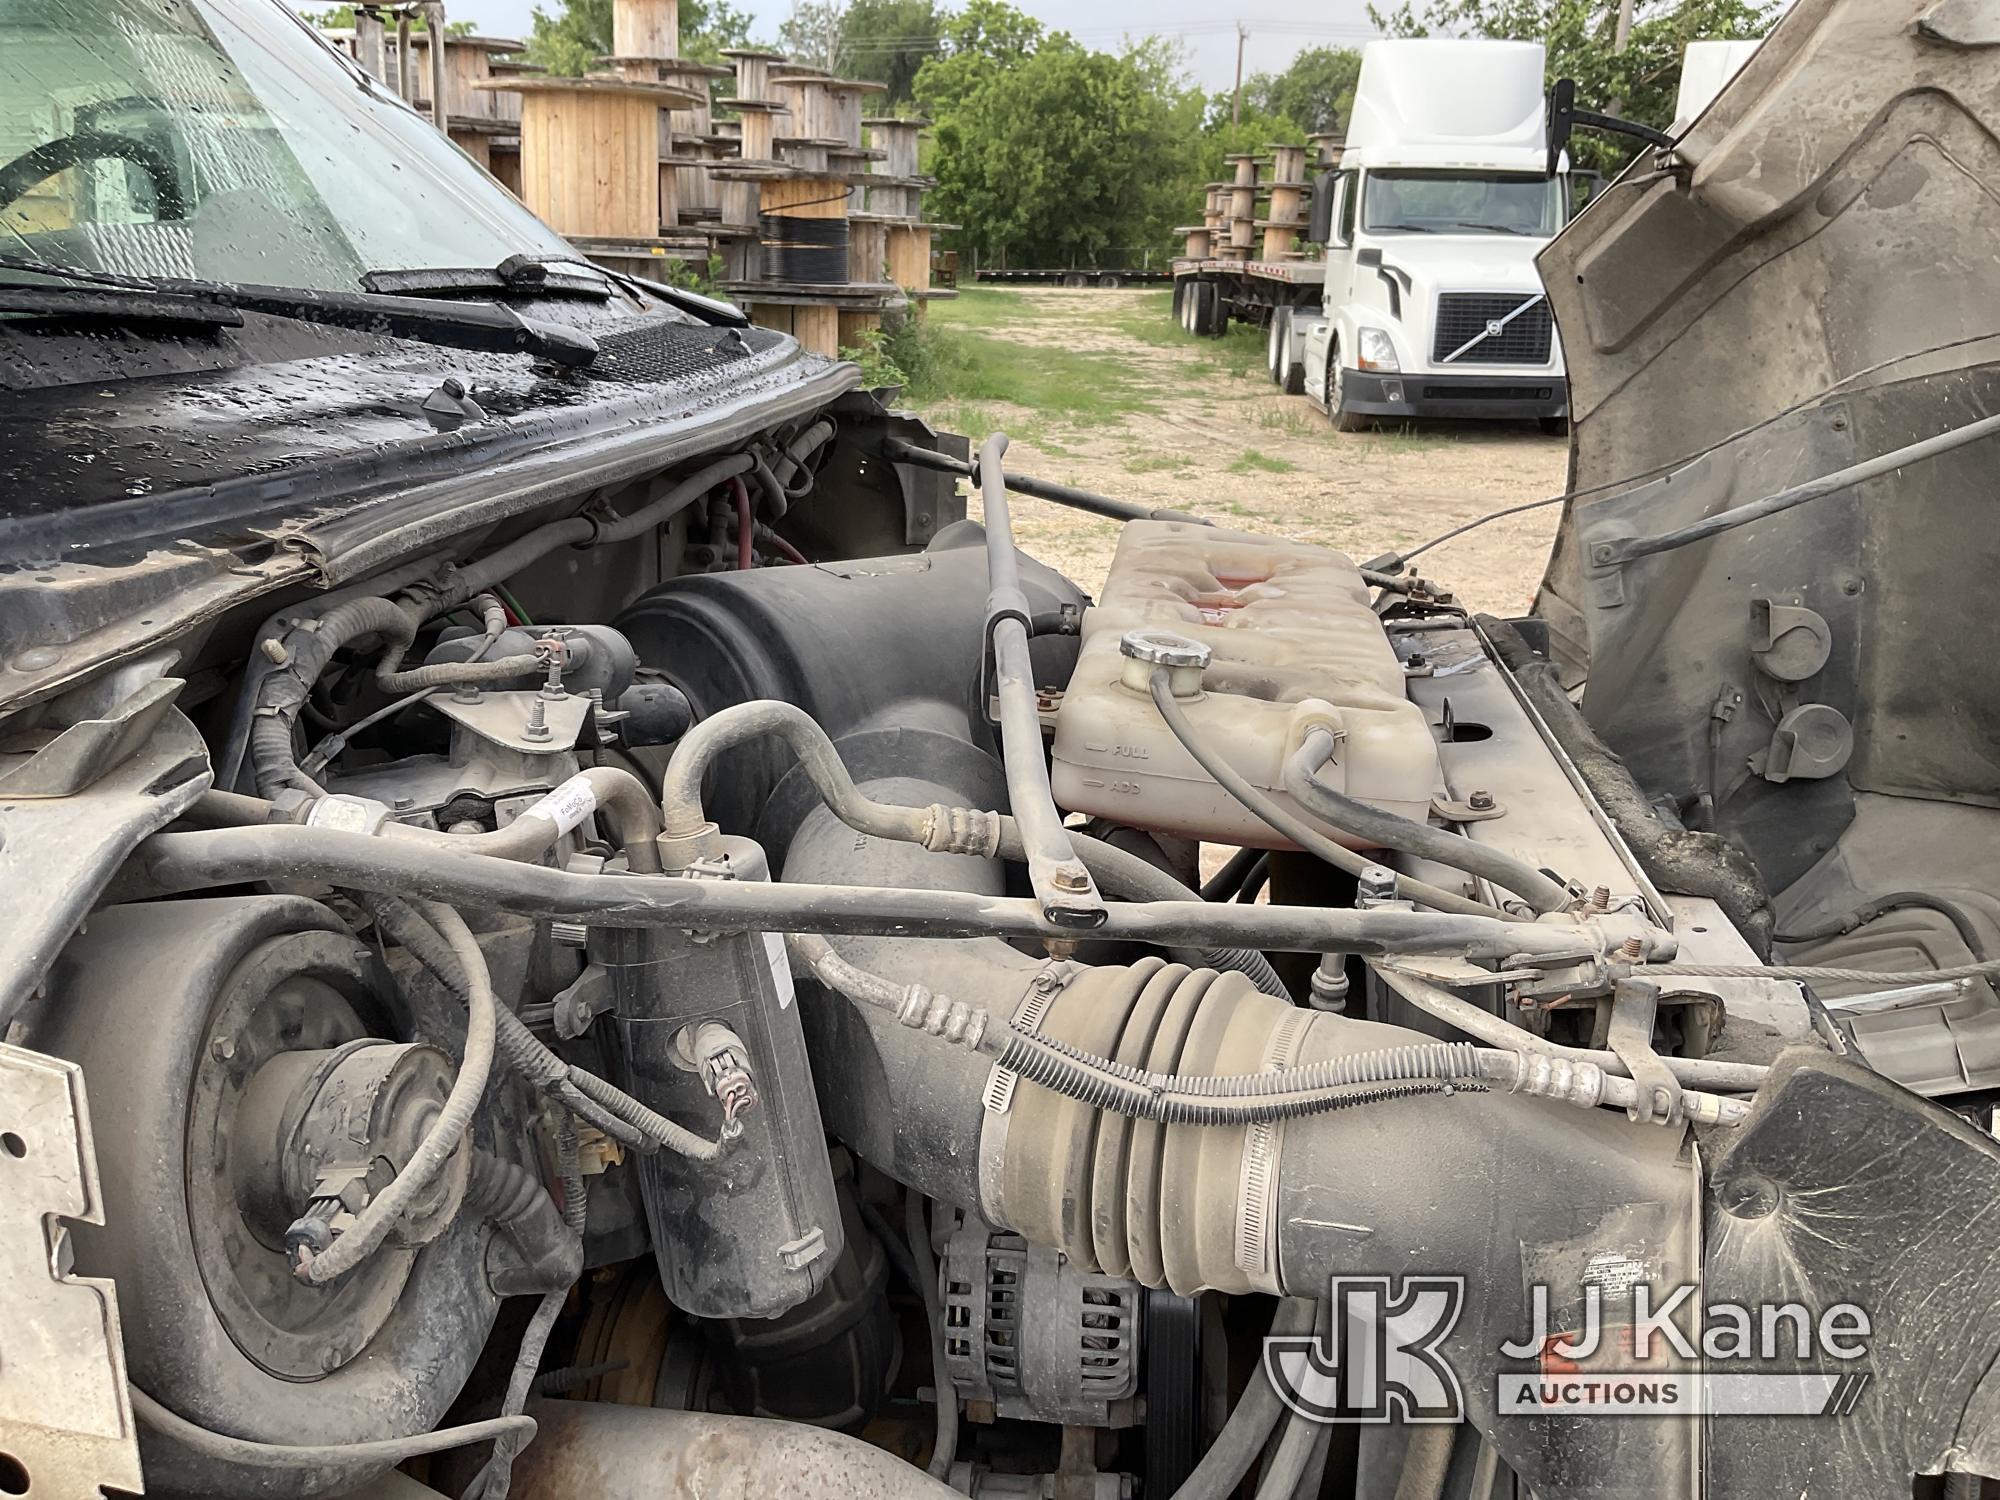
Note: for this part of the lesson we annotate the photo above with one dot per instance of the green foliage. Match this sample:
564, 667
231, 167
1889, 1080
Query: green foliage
1050, 154
1580, 36
569, 40
1315, 93
341, 18
888, 41
811, 33
685, 274
905, 351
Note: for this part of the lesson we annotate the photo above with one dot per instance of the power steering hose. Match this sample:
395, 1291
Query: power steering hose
939, 828
1241, 1098
1418, 839
1257, 1411
1297, 830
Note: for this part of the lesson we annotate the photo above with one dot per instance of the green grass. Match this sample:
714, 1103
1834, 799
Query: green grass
1155, 463
1294, 419
1252, 461
965, 363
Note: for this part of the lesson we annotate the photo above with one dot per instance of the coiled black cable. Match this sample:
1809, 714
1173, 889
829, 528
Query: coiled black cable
808, 251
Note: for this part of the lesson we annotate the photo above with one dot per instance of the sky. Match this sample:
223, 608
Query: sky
1277, 29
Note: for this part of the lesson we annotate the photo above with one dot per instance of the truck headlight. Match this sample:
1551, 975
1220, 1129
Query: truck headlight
1375, 351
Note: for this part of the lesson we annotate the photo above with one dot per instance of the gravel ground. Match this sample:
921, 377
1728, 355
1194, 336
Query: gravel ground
1220, 440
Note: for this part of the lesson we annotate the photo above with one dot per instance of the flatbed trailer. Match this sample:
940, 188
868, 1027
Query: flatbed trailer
1108, 277
1278, 296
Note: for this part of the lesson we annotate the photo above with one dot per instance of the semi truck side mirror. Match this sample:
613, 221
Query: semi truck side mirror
1325, 189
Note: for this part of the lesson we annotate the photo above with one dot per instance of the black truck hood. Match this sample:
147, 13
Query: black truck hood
160, 481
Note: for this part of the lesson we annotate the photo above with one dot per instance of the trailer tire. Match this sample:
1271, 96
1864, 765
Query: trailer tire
1110, 281
1554, 426
1343, 420
1201, 321
1292, 375
1180, 300
1275, 340
1075, 279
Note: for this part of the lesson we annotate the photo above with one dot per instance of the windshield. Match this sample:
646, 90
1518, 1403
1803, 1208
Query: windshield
1461, 203
220, 139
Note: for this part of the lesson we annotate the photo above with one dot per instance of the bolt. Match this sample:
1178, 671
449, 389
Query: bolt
1840, 424
1851, 587
466, 695
222, 1049
1600, 898
1481, 801
1601, 552
274, 651
537, 726
1632, 948
1070, 878
403, 804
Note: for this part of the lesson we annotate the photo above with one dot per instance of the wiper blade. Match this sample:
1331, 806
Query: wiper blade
484, 326
530, 275
1496, 228
552, 275
115, 305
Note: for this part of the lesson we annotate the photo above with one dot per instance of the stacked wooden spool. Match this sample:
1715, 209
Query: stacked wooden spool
1284, 224
817, 275
590, 146
1326, 148
1242, 212
895, 202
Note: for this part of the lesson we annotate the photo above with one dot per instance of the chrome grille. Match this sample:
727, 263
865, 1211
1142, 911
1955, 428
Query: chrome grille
1463, 316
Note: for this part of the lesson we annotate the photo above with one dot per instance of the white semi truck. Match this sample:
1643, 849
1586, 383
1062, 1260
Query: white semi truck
1426, 302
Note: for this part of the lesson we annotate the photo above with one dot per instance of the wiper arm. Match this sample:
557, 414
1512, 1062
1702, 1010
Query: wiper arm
1495, 228
485, 326
546, 275
115, 304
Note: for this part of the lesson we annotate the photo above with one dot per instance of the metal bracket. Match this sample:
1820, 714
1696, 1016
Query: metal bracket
1471, 809
64, 1409
583, 1002
1634, 1003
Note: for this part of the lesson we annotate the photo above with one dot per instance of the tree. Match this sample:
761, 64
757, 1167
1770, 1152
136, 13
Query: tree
341, 18
570, 40
1051, 154
1580, 35
889, 41
811, 34
1315, 93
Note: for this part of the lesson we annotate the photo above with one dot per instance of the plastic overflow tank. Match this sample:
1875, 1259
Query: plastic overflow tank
1294, 645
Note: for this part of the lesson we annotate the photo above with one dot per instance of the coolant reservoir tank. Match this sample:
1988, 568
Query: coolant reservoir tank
1293, 645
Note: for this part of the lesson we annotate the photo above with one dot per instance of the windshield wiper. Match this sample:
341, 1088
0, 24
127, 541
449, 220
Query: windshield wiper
1496, 228
115, 304
487, 327
549, 276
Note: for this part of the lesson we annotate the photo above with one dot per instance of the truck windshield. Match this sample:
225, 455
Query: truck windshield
220, 139
1460, 203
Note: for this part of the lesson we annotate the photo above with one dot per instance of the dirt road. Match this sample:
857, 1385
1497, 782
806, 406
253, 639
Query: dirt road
1206, 431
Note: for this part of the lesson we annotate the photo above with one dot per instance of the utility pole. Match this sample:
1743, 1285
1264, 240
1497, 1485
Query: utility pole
1236, 106
1623, 33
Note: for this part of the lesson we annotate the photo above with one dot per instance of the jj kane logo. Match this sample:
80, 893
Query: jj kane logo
1379, 1355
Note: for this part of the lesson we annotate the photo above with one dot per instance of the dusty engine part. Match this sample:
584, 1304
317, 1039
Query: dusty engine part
883, 653
1034, 1335
704, 1027
593, 659
630, 1453
218, 1326
828, 1361
1291, 645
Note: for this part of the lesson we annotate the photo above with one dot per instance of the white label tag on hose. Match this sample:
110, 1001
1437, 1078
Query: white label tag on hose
781, 968
566, 806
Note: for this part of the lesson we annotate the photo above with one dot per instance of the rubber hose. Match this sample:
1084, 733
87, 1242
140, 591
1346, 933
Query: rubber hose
1426, 1462
1296, 829
1257, 1410
1420, 840
944, 1446
1228, 880
432, 1154
1288, 1465
250, 1454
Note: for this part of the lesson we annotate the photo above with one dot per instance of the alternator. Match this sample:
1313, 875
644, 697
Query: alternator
1036, 1337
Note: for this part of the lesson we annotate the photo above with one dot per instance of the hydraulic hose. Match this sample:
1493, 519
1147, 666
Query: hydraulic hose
1373, 1077
1249, 1426
540, 826
372, 1225
1418, 839
248, 1453
937, 827
1288, 1465
1295, 829
1228, 880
